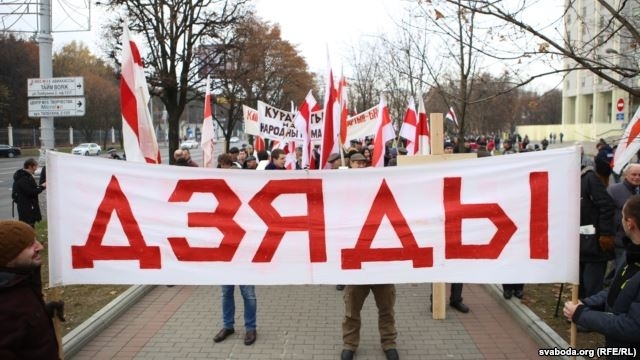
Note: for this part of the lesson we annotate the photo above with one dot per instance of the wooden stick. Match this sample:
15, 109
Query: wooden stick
574, 327
436, 138
436, 130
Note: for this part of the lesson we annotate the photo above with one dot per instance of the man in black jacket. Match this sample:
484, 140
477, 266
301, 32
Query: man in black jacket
596, 209
620, 193
615, 311
26, 193
603, 160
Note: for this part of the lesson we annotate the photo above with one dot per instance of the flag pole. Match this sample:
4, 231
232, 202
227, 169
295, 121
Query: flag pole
341, 150
574, 327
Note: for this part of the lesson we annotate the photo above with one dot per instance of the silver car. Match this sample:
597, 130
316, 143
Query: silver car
87, 149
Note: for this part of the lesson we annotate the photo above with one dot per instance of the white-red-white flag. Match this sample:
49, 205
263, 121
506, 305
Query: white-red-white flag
384, 133
301, 122
290, 157
207, 140
629, 144
451, 116
258, 144
138, 135
408, 129
422, 145
342, 101
329, 130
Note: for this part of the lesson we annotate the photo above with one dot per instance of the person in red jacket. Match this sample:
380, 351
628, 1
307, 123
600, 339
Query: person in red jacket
26, 328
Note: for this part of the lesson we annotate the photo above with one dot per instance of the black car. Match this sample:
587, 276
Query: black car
9, 151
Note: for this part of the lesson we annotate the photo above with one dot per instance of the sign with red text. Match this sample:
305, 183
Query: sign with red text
503, 219
363, 124
250, 116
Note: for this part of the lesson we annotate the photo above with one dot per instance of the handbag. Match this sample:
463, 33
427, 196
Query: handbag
589, 245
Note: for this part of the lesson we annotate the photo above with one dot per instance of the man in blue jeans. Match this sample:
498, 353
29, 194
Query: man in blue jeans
229, 311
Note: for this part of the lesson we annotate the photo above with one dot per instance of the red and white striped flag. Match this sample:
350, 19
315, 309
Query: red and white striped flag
301, 122
384, 133
451, 116
422, 145
258, 144
290, 158
408, 129
207, 140
138, 135
344, 108
629, 144
276, 144
329, 133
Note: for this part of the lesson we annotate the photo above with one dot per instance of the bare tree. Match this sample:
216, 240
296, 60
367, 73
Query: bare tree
172, 30
592, 50
365, 84
254, 63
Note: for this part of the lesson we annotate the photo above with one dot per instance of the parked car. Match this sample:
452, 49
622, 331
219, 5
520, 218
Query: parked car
189, 144
234, 139
87, 149
9, 151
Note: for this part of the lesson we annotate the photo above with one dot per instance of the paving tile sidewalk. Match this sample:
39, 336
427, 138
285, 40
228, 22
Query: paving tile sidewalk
304, 322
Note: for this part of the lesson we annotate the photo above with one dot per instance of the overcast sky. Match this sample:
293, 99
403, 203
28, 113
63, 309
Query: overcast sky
311, 25
337, 24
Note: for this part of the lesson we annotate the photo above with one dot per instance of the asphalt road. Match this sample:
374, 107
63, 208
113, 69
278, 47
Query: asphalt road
9, 166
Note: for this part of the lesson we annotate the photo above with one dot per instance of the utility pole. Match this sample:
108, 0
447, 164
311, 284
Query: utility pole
45, 48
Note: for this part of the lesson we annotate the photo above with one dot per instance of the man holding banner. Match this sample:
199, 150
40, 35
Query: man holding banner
354, 297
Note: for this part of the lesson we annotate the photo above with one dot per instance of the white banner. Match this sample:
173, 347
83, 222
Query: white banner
362, 125
250, 120
316, 121
503, 219
270, 122
276, 124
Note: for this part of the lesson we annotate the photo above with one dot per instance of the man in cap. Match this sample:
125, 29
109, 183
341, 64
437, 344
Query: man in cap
250, 162
507, 147
354, 298
334, 160
358, 160
26, 329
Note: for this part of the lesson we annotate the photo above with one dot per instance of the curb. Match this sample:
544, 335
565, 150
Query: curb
73, 342
538, 329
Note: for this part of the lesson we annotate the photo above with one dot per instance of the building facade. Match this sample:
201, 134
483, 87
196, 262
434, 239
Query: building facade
592, 106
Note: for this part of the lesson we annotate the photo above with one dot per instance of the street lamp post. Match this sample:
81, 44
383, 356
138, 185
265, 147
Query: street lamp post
45, 41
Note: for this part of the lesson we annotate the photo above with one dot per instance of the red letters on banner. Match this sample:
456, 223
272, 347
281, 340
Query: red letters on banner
115, 200
313, 222
277, 226
221, 218
385, 204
